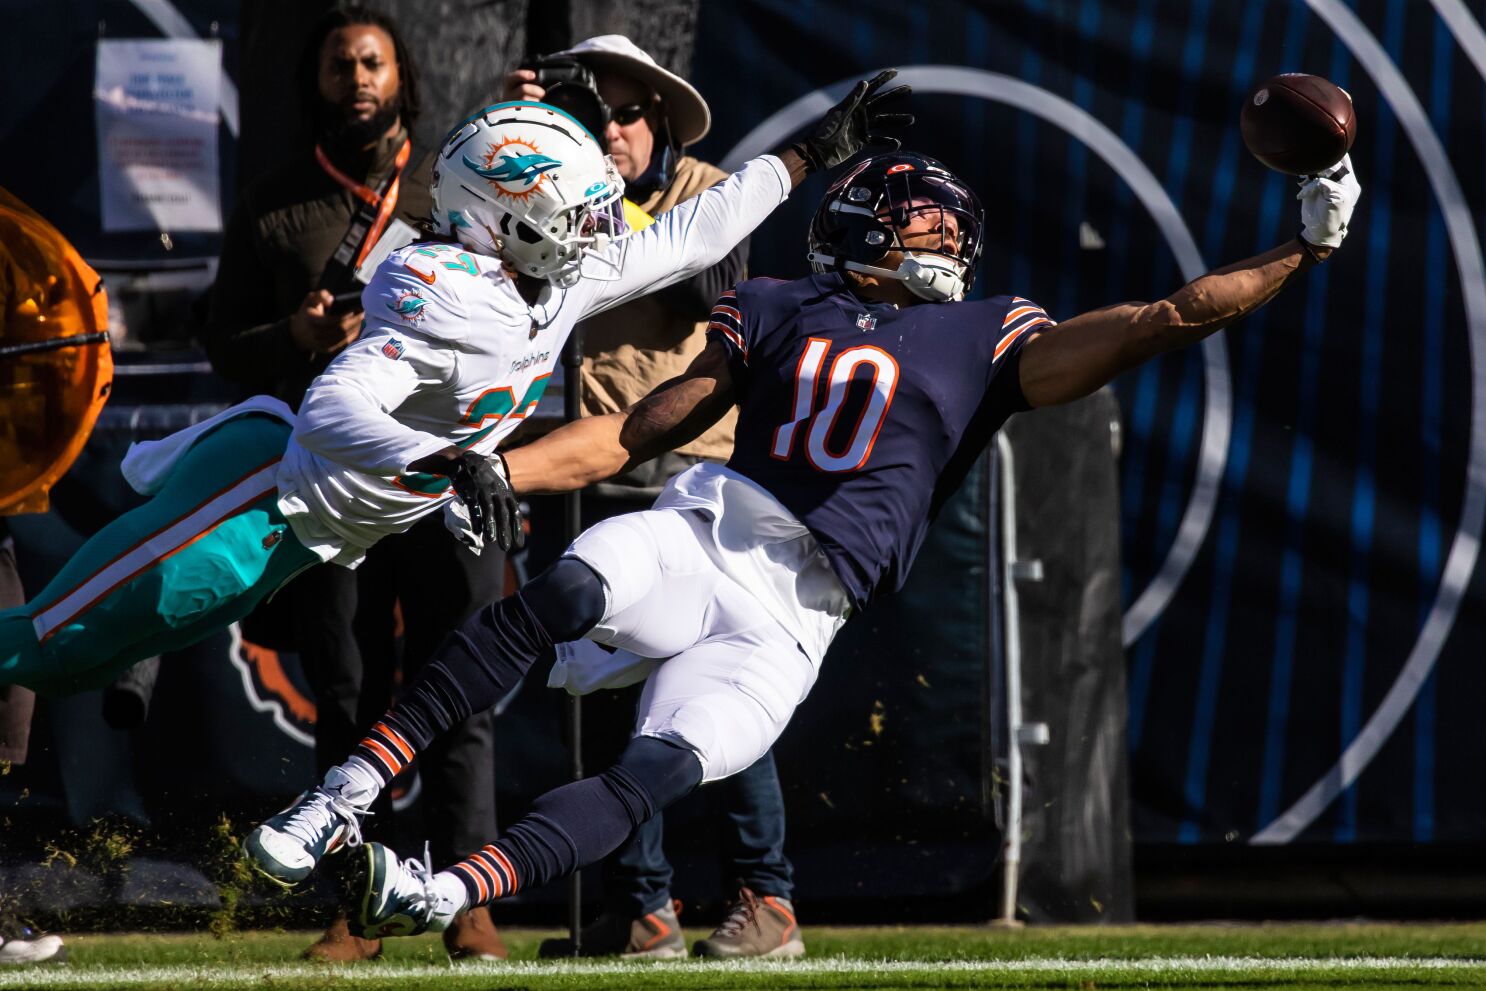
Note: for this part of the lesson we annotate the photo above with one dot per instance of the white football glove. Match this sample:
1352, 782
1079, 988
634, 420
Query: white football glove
1326, 204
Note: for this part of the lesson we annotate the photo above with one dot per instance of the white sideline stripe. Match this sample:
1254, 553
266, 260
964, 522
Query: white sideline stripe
479, 973
69, 606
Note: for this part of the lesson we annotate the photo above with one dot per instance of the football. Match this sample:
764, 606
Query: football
1298, 124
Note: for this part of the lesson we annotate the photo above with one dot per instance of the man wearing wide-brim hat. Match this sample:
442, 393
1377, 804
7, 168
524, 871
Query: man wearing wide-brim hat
650, 116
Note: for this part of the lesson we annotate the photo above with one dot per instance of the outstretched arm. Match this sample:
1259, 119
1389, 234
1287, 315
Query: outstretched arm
597, 447
1080, 355
698, 233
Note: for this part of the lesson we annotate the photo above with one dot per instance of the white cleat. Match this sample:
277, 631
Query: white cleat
399, 897
285, 848
42, 949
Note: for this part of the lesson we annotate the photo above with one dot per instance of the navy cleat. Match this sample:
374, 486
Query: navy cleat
285, 848
399, 897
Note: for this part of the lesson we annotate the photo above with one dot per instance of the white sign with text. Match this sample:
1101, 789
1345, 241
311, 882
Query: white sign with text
156, 103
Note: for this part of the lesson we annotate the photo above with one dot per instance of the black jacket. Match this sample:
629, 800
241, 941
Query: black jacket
286, 226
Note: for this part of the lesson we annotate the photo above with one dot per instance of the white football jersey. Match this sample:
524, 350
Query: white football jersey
451, 354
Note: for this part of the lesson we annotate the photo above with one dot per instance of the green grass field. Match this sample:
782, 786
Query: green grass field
1360, 955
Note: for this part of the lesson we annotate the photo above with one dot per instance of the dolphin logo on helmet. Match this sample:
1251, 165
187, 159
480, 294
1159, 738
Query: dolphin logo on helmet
514, 168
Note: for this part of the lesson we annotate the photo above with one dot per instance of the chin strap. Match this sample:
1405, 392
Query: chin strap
929, 277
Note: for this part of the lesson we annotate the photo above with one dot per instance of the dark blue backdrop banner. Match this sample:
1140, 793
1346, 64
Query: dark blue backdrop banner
1303, 497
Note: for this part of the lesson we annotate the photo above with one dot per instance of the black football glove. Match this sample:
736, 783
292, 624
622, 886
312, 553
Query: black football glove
854, 123
484, 486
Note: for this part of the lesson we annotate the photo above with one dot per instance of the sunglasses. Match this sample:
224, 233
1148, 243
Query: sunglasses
626, 115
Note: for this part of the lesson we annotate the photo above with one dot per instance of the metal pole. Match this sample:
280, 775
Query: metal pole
1016, 570
995, 661
572, 504
53, 344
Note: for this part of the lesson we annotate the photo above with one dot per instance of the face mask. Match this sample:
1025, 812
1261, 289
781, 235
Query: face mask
933, 277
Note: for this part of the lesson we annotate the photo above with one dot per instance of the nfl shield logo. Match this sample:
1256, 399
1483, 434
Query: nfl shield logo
866, 321
393, 348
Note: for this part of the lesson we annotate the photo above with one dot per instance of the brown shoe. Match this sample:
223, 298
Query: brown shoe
653, 936
472, 936
755, 927
339, 946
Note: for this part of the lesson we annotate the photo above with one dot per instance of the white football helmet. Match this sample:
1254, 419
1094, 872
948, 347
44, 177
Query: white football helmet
528, 183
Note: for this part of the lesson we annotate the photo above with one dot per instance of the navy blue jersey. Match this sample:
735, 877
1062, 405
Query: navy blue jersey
862, 418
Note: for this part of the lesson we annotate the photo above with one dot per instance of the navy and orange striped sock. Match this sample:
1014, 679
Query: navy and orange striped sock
581, 822
486, 875
386, 749
474, 668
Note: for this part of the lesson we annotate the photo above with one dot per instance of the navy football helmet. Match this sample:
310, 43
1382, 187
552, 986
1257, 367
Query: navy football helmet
858, 221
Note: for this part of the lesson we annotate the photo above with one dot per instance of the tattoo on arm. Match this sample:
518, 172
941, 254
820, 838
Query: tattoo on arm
680, 410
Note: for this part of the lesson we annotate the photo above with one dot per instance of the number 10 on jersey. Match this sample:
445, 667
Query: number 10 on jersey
817, 426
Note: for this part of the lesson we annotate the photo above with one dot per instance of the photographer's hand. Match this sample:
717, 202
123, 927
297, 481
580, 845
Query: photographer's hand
522, 85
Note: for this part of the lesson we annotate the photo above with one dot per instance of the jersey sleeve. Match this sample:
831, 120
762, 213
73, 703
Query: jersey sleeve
1022, 321
408, 344
727, 326
692, 236
346, 416
421, 288
1022, 317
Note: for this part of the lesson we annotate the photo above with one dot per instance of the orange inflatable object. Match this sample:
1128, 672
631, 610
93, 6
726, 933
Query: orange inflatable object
55, 364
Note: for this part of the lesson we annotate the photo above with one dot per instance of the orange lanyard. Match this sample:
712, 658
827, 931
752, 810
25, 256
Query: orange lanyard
385, 202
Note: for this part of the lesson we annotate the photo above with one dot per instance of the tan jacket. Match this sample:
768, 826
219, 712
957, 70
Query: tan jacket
633, 348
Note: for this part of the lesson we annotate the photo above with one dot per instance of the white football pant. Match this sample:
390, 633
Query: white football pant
723, 673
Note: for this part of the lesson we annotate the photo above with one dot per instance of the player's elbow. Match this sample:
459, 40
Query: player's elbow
1150, 331
313, 425
319, 425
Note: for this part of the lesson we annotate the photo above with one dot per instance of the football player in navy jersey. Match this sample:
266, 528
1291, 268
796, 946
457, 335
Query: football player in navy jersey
864, 391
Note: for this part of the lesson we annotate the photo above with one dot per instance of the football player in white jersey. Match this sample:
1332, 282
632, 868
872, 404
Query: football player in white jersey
461, 335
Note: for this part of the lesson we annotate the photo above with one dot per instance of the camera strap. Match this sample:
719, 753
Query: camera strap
369, 220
